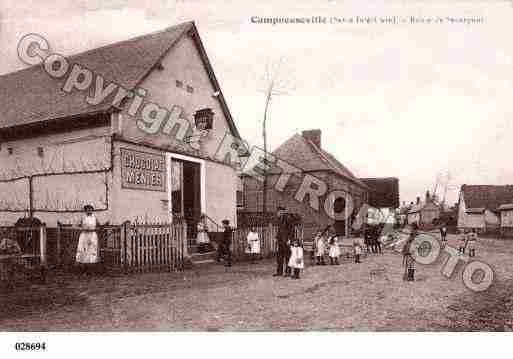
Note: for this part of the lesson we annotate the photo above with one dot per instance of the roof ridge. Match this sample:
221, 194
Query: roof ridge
322, 155
325, 156
117, 43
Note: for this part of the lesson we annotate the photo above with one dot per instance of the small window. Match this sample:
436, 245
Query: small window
10, 151
190, 89
240, 199
179, 84
40, 152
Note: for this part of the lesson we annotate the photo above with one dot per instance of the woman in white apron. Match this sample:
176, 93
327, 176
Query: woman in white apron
87, 249
253, 245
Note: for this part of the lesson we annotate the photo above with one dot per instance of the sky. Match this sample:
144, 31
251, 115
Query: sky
413, 101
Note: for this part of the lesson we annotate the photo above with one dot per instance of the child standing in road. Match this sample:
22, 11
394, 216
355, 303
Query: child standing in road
463, 241
408, 260
443, 233
334, 249
471, 243
320, 247
357, 247
253, 244
296, 261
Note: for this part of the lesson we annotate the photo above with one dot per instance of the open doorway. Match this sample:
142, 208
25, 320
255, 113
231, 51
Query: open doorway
186, 193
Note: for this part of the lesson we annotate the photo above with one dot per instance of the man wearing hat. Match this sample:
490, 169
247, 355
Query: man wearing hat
284, 237
224, 247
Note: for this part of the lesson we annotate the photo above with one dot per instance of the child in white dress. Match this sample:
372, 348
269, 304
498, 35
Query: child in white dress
202, 238
296, 261
253, 244
358, 250
334, 250
320, 247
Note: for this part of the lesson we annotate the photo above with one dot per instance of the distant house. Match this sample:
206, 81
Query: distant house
304, 153
506, 219
424, 213
384, 192
479, 206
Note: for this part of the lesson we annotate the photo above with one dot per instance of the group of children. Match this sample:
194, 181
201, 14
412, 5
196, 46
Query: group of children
468, 239
326, 242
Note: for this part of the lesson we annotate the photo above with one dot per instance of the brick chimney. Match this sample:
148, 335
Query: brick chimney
314, 136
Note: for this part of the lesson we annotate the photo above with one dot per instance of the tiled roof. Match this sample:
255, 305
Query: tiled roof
305, 155
31, 95
487, 196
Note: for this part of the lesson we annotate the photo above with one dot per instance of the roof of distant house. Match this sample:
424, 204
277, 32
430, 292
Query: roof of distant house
487, 196
384, 191
420, 206
506, 207
32, 96
475, 210
306, 156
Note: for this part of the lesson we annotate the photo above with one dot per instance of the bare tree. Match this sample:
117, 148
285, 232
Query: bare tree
447, 186
438, 181
275, 83
443, 182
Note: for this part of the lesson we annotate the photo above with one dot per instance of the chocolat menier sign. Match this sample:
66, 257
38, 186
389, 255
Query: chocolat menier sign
143, 171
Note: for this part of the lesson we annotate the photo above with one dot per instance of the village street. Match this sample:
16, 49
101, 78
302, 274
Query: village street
368, 296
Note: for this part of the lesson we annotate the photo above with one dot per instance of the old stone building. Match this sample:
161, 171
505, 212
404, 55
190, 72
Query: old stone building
316, 183
147, 155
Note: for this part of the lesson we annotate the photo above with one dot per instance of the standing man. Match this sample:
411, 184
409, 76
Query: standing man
224, 247
284, 238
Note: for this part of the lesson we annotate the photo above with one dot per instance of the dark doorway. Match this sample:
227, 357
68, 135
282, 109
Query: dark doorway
191, 196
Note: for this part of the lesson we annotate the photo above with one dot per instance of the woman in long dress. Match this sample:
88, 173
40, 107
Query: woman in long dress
87, 250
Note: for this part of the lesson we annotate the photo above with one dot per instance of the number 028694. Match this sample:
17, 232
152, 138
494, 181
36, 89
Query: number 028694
30, 346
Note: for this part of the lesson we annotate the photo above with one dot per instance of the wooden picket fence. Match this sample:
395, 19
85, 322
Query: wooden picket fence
153, 247
267, 236
130, 247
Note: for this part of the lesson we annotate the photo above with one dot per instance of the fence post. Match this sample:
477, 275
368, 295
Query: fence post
58, 245
272, 248
185, 245
42, 244
123, 242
